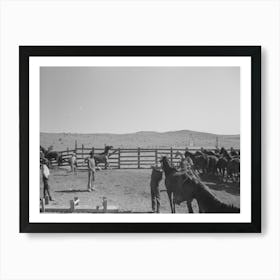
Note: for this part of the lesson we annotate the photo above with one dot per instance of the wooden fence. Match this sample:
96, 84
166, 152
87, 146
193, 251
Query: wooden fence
126, 158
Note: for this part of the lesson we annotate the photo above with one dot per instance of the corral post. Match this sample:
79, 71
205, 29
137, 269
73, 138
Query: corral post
104, 203
67, 151
171, 155
72, 206
138, 156
82, 150
43, 204
119, 159
75, 146
74, 203
156, 156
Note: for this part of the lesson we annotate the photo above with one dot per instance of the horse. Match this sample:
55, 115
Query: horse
212, 164
50, 155
183, 187
103, 157
208, 202
200, 160
222, 166
233, 152
209, 153
233, 166
172, 178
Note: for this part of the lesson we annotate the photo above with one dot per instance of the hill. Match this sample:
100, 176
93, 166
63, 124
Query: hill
143, 139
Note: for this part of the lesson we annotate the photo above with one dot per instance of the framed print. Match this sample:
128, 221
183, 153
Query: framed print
140, 138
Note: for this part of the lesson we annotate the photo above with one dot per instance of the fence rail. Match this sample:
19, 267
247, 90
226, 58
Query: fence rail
125, 157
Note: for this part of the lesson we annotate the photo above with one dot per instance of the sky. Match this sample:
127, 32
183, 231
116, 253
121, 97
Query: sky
131, 99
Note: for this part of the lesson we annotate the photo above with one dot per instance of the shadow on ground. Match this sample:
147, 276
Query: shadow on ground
72, 191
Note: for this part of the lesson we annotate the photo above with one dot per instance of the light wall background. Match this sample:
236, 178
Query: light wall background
139, 256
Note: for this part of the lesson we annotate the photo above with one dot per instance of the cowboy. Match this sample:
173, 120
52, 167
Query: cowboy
156, 177
91, 171
45, 175
73, 163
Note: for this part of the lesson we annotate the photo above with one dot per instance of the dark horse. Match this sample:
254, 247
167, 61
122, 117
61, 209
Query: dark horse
233, 165
103, 157
183, 187
172, 179
51, 155
200, 160
207, 201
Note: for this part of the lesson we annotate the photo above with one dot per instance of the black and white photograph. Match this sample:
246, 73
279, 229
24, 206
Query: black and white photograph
140, 139
137, 139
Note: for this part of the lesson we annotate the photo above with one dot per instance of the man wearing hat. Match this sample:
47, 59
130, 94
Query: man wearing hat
45, 175
91, 171
156, 177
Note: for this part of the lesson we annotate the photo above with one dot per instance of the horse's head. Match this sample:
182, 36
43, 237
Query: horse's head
108, 148
167, 168
188, 154
164, 161
177, 154
42, 149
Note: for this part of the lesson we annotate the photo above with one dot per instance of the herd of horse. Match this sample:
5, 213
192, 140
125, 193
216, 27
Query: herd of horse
220, 162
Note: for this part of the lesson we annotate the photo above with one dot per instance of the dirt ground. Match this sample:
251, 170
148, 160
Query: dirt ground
126, 189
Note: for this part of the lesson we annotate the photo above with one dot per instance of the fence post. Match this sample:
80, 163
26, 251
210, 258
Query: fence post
156, 156
138, 156
75, 146
119, 159
171, 155
43, 204
82, 150
67, 151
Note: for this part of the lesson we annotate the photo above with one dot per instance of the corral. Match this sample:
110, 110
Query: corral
128, 158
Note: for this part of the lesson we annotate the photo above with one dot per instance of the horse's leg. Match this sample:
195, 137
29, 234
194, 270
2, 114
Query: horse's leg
189, 204
170, 202
173, 203
107, 164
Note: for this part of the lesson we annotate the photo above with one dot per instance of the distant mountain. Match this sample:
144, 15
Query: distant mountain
143, 139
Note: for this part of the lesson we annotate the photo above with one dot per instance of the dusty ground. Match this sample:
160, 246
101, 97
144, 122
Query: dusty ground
126, 189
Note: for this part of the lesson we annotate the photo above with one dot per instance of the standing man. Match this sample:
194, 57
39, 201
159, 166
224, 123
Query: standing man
45, 175
73, 163
156, 177
91, 171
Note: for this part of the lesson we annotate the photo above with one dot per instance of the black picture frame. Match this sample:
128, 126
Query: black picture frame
254, 52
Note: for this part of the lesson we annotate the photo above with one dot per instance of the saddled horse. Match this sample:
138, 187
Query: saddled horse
103, 157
